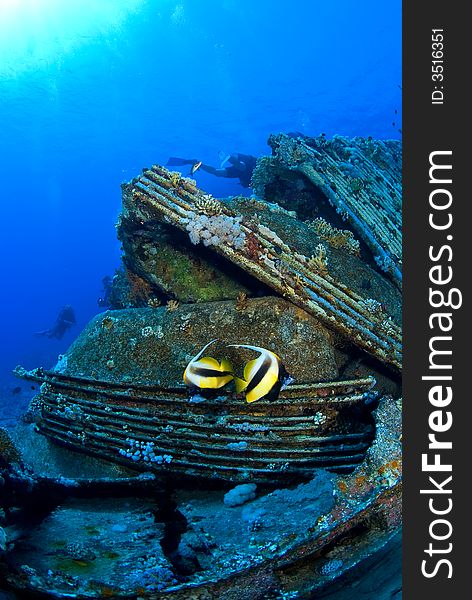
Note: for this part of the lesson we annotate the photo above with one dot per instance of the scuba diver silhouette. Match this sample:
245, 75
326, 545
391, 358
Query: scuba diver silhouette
64, 321
233, 166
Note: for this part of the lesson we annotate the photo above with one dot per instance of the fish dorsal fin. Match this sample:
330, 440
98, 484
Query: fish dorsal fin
226, 365
197, 356
255, 348
209, 362
249, 369
248, 346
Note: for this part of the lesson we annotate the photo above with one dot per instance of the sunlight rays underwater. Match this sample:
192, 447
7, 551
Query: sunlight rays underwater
34, 33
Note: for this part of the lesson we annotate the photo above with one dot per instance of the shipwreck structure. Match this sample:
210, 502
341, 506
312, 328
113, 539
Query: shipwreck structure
309, 267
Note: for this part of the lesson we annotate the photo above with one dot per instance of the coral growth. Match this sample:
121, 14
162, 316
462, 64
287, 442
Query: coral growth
337, 238
356, 184
208, 206
388, 326
385, 263
175, 178
319, 261
240, 494
253, 247
241, 302
144, 451
374, 307
154, 302
215, 230
172, 305
108, 323
33, 412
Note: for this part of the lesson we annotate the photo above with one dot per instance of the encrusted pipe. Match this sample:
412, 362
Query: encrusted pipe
175, 200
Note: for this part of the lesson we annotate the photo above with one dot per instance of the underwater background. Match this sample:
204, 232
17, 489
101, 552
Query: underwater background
91, 92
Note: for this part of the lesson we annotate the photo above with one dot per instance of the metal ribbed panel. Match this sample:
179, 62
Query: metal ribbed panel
309, 426
332, 301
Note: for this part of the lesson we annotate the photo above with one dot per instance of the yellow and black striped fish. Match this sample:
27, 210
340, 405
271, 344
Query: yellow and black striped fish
207, 372
263, 377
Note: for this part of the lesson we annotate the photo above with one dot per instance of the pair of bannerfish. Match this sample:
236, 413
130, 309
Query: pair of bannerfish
263, 377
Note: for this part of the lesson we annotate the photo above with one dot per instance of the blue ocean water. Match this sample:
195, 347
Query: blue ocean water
91, 92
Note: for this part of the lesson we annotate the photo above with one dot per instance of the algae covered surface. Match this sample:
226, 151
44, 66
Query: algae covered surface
155, 345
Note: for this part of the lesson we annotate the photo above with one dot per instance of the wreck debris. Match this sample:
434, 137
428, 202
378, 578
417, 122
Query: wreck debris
117, 395
361, 179
321, 294
147, 345
223, 551
113, 416
167, 259
150, 428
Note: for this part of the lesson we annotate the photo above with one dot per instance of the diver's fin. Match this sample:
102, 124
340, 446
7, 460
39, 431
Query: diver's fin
240, 384
175, 161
